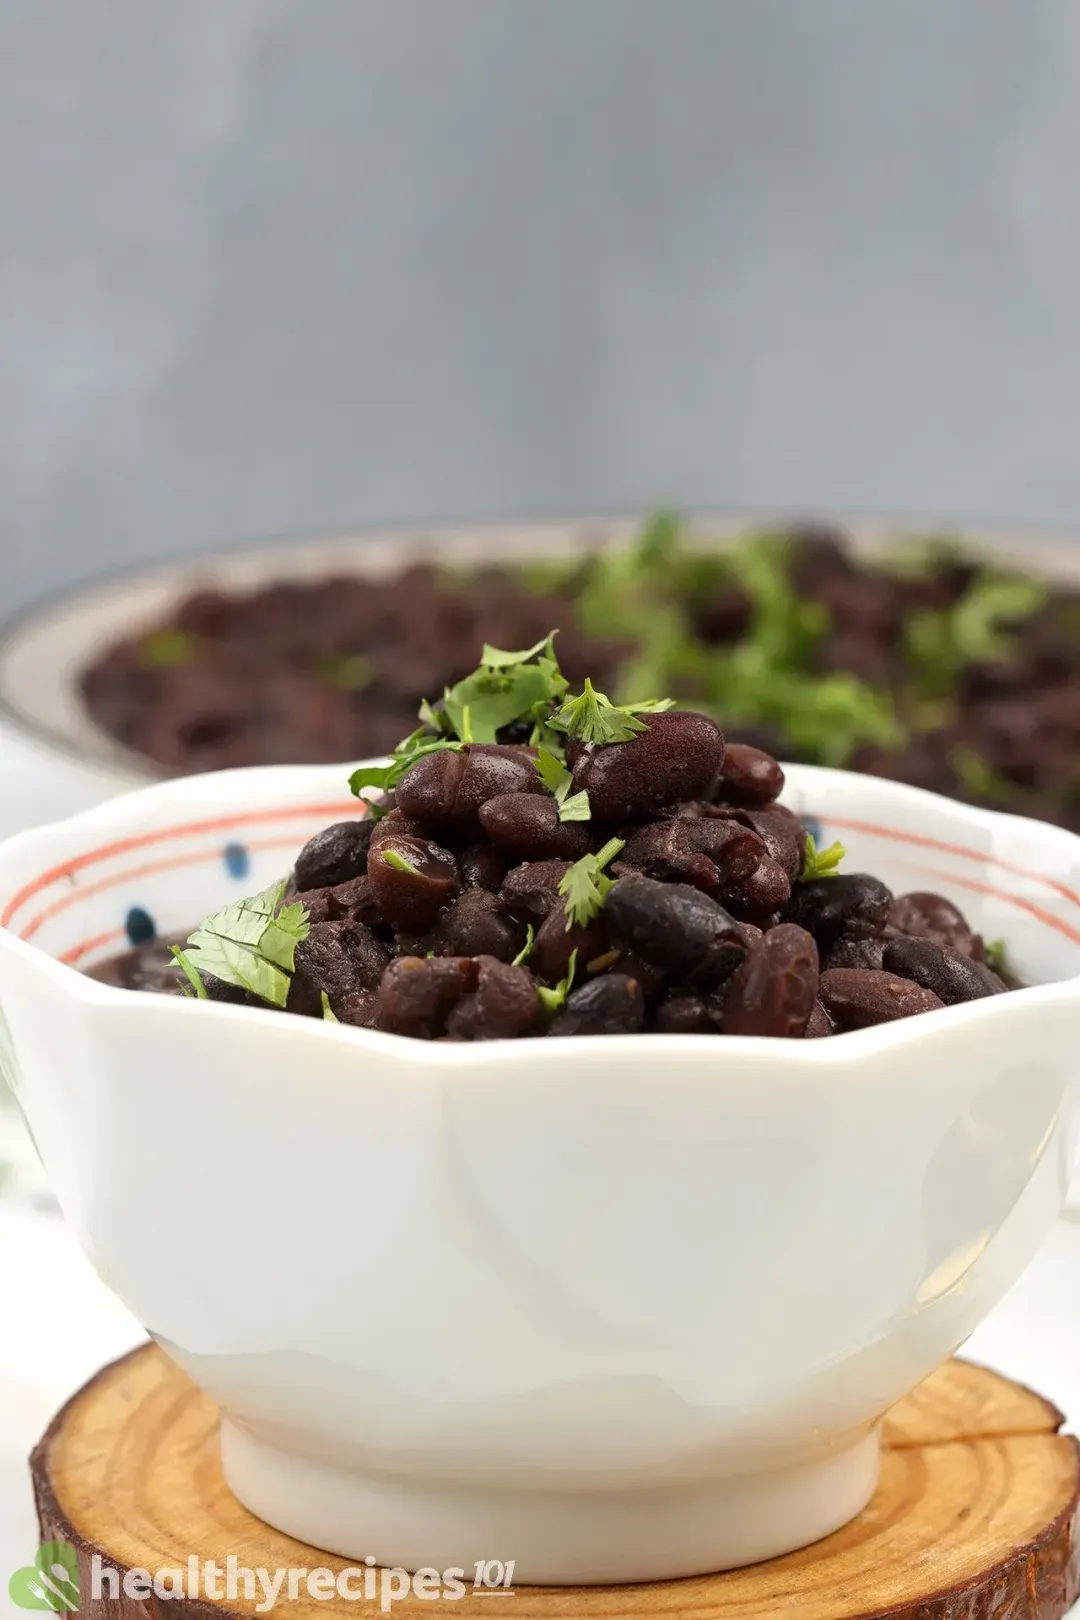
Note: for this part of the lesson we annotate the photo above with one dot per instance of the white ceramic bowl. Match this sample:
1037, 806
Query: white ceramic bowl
613, 1308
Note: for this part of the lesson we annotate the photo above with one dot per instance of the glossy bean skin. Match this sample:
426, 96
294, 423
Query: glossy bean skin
760, 896
686, 1015
940, 968
680, 929
334, 855
856, 953
924, 915
774, 991
504, 1006
478, 924
417, 994
750, 778
531, 890
677, 756
448, 788
343, 958
709, 854
354, 899
555, 944
819, 1024
482, 866
409, 901
853, 904
856, 998
784, 838
610, 1005
529, 828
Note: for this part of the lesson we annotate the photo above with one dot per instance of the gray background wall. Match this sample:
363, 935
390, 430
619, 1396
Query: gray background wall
269, 264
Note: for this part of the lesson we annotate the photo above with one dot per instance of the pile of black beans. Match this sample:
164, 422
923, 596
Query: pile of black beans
709, 926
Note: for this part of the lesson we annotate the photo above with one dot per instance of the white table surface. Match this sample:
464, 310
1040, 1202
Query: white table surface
61, 1324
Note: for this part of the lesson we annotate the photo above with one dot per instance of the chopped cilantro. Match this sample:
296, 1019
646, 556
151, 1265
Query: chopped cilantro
586, 885
820, 863
593, 718
399, 862
553, 999
558, 780
527, 949
329, 1015
251, 944
191, 973
994, 953
168, 648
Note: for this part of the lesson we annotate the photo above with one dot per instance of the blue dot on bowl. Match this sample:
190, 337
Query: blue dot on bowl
139, 926
237, 860
814, 828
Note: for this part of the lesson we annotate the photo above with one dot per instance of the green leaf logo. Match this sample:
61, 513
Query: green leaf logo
50, 1583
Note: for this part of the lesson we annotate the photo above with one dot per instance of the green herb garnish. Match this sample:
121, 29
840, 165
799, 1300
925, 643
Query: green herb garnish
400, 863
191, 973
347, 672
402, 760
167, 649
252, 944
593, 718
977, 776
586, 885
820, 863
506, 687
329, 1015
527, 949
940, 645
558, 780
994, 955
553, 999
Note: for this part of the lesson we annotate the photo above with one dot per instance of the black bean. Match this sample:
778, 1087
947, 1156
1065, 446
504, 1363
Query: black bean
677, 756
448, 788
478, 924
856, 953
555, 944
853, 903
418, 994
680, 929
610, 1005
504, 1006
750, 777
529, 828
930, 916
819, 1025
855, 998
948, 972
774, 991
532, 889
482, 866
757, 898
784, 837
709, 854
410, 900
686, 1015
334, 855
343, 958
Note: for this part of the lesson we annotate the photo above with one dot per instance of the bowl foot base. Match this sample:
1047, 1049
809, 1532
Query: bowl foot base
565, 1537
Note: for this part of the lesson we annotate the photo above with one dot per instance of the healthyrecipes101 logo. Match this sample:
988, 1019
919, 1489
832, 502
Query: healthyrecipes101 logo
51, 1582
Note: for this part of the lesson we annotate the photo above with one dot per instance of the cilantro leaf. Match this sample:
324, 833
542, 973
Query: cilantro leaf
586, 885
506, 687
399, 863
940, 644
820, 863
553, 999
168, 648
576, 807
558, 780
348, 672
994, 954
527, 949
191, 973
252, 943
978, 777
329, 1015
404, 757
593, 718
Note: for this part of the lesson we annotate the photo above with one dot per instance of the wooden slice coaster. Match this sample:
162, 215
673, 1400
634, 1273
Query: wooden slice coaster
976, 1516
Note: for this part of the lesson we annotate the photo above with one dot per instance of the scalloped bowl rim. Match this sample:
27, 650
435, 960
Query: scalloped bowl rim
850, 1048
